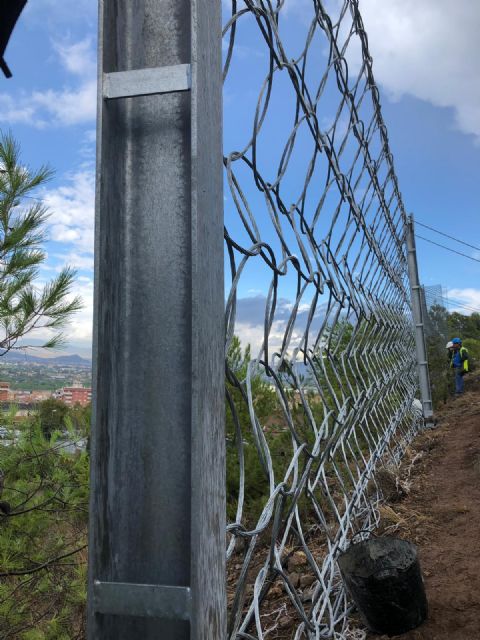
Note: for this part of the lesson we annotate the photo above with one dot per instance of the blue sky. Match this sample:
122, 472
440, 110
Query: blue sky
426, 64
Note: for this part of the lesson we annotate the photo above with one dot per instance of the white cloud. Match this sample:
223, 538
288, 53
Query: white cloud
468, 297
71, 221
78, 333
90, 136
428, 50
77, 57
79, 330
21, 111
68, 106
253, 334
250, 319
75, 260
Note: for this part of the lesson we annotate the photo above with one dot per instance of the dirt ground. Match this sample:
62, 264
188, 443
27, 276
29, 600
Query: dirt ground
434, 501
441, 514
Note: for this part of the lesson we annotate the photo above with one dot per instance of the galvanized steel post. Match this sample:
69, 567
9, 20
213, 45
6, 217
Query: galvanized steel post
422, 363
157, 519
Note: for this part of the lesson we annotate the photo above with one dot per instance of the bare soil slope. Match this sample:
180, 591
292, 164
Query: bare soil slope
441, 514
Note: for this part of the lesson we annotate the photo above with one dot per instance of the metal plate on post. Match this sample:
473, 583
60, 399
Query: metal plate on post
142, 600
145, 82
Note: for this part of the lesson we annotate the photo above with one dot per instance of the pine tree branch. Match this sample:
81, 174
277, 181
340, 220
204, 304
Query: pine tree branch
25, 572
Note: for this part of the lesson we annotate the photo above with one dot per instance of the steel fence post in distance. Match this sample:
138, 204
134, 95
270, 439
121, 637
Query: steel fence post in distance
416, 297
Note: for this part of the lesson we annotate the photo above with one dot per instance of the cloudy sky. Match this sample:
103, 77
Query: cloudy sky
425, 61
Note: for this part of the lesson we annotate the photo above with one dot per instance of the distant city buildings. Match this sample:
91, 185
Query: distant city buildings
29, 397
75, 395
4, 391
71, 396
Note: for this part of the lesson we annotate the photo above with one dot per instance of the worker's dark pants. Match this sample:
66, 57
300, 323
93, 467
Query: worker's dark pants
459, 384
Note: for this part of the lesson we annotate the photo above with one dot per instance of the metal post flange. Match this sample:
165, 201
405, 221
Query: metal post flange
157, 511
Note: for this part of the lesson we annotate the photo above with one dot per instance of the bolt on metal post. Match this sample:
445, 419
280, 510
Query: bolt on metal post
157, 511
420, 345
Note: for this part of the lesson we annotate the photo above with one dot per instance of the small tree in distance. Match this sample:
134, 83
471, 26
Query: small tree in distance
51, 415
25, 307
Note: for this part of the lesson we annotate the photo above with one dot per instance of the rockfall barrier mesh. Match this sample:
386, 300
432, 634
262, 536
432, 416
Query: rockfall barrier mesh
316, 284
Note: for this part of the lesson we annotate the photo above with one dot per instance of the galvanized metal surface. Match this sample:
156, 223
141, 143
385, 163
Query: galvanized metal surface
419, 320
208, 489
157, 505
142, 600
143, 82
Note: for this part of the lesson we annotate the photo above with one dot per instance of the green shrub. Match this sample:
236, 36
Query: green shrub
43, 539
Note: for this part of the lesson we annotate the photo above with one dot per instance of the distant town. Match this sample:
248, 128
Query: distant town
26, 383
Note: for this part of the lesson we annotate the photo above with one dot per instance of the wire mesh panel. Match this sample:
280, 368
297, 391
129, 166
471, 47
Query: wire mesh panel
436, 335
436, 314
319, 347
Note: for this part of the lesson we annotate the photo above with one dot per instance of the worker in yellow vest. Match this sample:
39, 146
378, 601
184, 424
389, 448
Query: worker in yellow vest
459, 363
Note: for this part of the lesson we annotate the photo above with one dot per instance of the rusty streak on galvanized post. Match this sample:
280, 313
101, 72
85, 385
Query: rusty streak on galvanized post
157, 525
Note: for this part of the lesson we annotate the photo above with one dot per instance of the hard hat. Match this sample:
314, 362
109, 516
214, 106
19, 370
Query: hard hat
457, 341
449, 345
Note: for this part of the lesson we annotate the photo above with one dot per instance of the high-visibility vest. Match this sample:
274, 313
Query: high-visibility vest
464, 358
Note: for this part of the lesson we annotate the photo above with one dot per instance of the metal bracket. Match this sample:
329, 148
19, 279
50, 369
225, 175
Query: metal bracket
146, 82
142, 600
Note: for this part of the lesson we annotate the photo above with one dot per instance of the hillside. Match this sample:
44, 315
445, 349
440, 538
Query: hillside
75, 360
441, 514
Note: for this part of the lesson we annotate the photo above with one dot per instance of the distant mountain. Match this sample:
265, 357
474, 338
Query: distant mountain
74, 360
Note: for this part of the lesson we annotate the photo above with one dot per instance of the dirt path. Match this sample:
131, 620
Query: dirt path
441, 514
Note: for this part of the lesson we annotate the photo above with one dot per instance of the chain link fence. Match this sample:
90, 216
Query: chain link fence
320, 356
435, 313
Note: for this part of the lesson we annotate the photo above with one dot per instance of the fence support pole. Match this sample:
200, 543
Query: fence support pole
157, 510
416, 296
